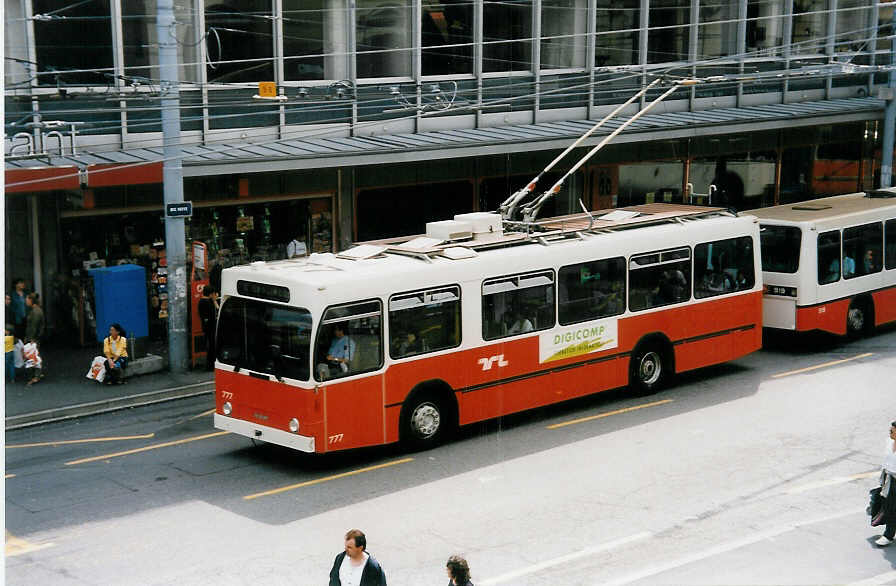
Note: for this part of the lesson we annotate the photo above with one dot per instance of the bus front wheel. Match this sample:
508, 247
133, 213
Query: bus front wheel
425, 421
648, 370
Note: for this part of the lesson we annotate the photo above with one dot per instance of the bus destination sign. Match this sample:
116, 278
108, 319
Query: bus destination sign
180, 209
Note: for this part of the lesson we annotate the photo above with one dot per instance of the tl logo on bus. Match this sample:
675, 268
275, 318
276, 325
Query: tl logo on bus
487, 363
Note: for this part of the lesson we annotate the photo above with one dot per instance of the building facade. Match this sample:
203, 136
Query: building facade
387, 114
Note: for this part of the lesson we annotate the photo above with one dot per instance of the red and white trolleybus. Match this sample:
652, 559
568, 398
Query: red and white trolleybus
407, 339
830, 264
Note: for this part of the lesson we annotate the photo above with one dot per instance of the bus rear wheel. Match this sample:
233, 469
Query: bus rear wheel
648, 369
859, 318
425, 421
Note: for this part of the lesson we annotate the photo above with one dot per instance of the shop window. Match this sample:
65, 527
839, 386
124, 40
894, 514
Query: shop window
650, 182
780, 246
741, 180
828, 257
349, 340
591, 290
717, 31
659, 278
141, 55
239, 37
424, 321
383, 38
667, 37
404, 210
617, 32
723, 266
890, 244
810, 25
765, 26
563, 33
507, 34
73, 42
447, 37
517, 305
862, 250
796, 173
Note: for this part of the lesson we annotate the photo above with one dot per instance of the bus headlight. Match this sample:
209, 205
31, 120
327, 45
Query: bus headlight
226, 408
294, 425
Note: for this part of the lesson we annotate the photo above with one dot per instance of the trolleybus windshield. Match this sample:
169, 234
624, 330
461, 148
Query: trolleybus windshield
265, 337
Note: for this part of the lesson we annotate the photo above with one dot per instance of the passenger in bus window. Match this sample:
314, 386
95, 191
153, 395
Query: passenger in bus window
520, 324
868, 263
849, 266
339, 355
833, 273
407, 344
673, 286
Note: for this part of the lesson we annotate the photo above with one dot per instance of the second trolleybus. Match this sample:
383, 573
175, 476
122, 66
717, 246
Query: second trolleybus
408, 339
830, 264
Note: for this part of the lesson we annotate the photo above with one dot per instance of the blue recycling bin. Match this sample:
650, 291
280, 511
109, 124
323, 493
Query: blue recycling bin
120, 296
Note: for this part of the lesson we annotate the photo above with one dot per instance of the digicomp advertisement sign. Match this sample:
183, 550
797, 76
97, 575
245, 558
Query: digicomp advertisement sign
578, 340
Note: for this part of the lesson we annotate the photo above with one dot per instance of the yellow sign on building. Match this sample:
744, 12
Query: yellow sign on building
267, 89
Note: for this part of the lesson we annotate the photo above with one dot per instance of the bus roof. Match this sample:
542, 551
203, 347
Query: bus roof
822, 210
563, 241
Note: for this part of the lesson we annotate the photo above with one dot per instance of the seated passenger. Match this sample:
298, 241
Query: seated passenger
520, 324
833, 272
849, 266
673, 286
868, 264
339, 356
407, 344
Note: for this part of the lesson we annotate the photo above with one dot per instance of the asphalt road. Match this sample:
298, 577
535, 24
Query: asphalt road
753, 472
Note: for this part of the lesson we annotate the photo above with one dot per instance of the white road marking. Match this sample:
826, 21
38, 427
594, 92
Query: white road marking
876, 580
832, 481
565, 558
723, 548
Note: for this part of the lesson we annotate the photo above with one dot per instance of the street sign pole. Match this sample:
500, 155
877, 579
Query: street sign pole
173, 186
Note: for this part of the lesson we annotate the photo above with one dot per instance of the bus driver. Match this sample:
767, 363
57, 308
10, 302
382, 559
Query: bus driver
340, 354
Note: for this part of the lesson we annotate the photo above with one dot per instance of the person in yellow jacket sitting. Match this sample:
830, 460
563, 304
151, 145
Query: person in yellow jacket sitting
115, 348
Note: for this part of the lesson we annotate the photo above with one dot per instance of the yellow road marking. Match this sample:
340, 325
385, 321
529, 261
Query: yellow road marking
601, 415
9, 476
17, 546
325, 479
833, 481
83, 441
147, 448
203, 414
825, 365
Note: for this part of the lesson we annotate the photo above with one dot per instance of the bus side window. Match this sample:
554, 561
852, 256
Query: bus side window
862, 248
517, 304
349, 340
424, 321
828, 257
659, 278
591, 290
723, 266
890, 244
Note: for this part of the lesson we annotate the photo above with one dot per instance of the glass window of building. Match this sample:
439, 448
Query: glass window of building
73, 42
315, 40
667, 39
563, 33
717, 32
507, 35
447, 37
765, 26
141, 53
884, 30
742, 180
810, 25
383, 38
853, 25
617, 32
240, 41
658, 181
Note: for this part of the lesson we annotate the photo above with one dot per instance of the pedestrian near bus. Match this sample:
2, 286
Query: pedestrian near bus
208, 316
35, 324
458, 571
354, 566
888, 490
19, 310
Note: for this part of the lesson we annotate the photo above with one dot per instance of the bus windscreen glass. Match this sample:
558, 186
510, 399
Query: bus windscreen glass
780, 248
264, 337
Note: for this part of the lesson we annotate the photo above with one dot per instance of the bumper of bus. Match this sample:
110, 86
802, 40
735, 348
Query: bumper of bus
265, 433
779, 312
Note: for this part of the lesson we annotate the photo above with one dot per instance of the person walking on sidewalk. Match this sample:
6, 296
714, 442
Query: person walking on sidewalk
208, 316
458, 571
115, 348
35, 324
354, 566
888, 490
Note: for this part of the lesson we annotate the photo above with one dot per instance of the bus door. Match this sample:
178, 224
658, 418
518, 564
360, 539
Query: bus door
348, 358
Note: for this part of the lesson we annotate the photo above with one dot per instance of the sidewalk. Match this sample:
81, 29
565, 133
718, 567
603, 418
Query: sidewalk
65, 392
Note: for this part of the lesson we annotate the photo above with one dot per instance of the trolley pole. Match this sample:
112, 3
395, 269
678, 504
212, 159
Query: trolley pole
173, 186
886, 157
